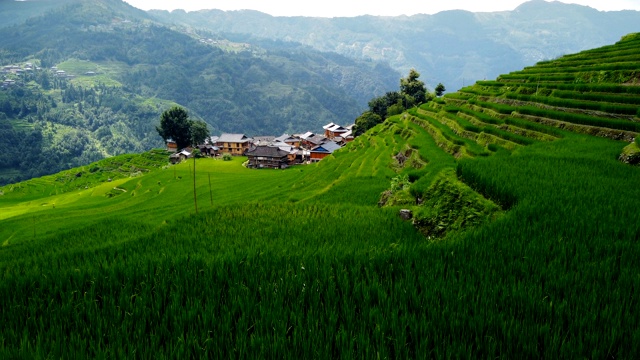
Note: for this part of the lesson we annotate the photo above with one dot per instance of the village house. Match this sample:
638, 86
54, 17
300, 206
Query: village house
209, 150
289, 140
345, 138
8, 83
262, 140
321, 151
296, 155
264, 156
311, 140
172, 146
234, 144
180, 156
332, 130
212, 140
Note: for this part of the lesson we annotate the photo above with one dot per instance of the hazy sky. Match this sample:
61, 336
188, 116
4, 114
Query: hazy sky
332, 8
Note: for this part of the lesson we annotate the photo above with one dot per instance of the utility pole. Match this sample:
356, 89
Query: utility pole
195, 201
210, 192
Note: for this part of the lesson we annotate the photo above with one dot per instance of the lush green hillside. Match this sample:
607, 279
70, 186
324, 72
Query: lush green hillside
303, 263
122, 69
594, 92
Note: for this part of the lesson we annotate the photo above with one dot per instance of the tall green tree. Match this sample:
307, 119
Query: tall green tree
440, 89
366, 121
175, 125
199, 132
413, 89
380, 105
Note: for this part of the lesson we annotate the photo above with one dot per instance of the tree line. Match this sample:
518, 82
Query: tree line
412, 92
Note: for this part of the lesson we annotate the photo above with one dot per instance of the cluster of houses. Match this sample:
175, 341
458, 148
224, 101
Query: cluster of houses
13, 72
16, 71
19, 69
270, 151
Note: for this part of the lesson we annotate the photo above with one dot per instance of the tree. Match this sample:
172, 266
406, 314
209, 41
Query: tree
440, 89
413, 89
365, 122
380, 105
395, 109
175, 125
199, 132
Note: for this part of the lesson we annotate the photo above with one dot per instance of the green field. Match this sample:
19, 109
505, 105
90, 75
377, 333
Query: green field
104, 73
528, 246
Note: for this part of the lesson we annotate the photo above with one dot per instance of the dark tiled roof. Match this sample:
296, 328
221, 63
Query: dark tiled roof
267, 151
316, 139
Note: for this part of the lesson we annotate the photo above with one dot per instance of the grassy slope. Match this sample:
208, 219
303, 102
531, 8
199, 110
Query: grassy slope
301, 263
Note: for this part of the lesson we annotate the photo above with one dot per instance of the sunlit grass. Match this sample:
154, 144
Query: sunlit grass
302, 263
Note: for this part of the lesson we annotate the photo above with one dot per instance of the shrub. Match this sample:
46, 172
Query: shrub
400, 182
227, 157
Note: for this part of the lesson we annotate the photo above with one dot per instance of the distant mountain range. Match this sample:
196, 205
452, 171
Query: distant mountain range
453, 47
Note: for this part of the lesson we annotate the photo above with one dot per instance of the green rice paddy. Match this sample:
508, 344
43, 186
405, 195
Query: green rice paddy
303, 263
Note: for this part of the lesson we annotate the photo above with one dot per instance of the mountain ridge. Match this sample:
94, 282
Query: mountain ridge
534, 31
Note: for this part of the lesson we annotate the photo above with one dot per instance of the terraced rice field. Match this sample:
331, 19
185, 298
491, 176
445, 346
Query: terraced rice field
595, 92
303, 263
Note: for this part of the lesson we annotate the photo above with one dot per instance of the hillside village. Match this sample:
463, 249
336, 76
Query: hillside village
13, 74
271, 151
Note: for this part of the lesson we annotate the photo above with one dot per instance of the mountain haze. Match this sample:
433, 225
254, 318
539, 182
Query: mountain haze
453, 47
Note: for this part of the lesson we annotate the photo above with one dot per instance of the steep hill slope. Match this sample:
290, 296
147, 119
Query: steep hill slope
303, 263
594, 92
451, 47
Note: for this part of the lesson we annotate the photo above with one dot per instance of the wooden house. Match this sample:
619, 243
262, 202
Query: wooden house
321, 151
289, 140
234, 144
332, 130
267, 157
208, 150
312, 141
172, 146
262, 140
347, 137
180, 156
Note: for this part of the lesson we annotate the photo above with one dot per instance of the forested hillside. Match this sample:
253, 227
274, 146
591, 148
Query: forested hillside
455, 48
16, 12
122, 69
